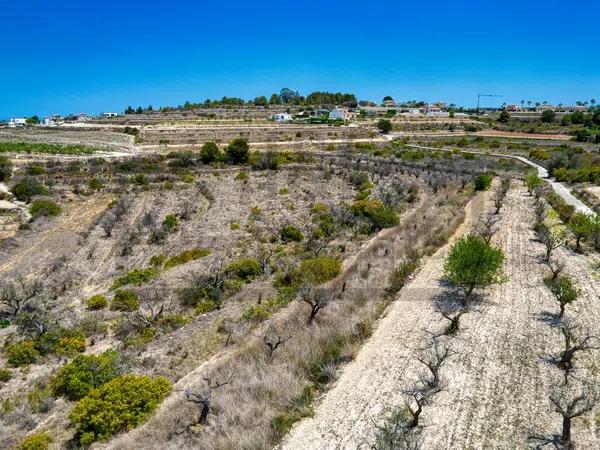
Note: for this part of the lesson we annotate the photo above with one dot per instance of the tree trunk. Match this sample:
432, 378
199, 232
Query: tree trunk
566, 432
204, 412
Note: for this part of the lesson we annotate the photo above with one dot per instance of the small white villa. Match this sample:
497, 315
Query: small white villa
281, 117
17, 122
341, 114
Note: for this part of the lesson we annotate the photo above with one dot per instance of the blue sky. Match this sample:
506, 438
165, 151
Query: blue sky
69, 56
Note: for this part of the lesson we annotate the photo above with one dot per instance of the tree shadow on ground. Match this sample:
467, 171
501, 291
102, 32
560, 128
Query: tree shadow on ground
550, 318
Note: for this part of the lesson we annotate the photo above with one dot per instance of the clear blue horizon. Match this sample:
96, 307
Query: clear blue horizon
70, 57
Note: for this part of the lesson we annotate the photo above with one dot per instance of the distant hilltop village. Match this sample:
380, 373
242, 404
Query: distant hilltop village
290, 107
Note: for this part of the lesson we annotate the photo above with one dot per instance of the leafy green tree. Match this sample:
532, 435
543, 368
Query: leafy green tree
532, 181
5, 168
210, 152
384, 125
473, 263
238, 151
483, 182
582, 226
564, 291
548, 116
260, 101
288, 96
504, 116
119, 405
33, 120
275, 99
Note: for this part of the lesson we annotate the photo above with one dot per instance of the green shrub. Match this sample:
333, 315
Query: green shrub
210, 153
359, 178
96, 302
41, 147
95, 184
483, 182
376, 213
70, 345
245, 268
44, 207
262, 311
119, 405
399, 276
242, 176
206, 306
5, 168
27, 188
40, 400
186, 256
284, 191
316, 270
158, 260
125, 300
140, 179
171, 223
86, 372
35, 170
136, 277
21, 353
37, 441
290, 233
4, 375
237, 151
300, 407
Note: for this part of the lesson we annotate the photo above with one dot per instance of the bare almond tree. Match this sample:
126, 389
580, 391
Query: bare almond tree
434, 358
571, 404
486, 227
203, 399
574, 342
14, 295
556, 268
552, 239
316, 297
272, 340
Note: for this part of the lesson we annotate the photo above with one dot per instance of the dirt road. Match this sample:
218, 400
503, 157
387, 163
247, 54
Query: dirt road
558, 187
498, 384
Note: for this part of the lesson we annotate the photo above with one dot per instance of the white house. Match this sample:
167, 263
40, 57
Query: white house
17, 122
109, 114
50, 121
341, 113
281, 117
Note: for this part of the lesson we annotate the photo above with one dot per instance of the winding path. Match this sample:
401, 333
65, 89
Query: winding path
558, 187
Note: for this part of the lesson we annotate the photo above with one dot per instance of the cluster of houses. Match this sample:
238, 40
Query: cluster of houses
56, 119
347, 114
545, 107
